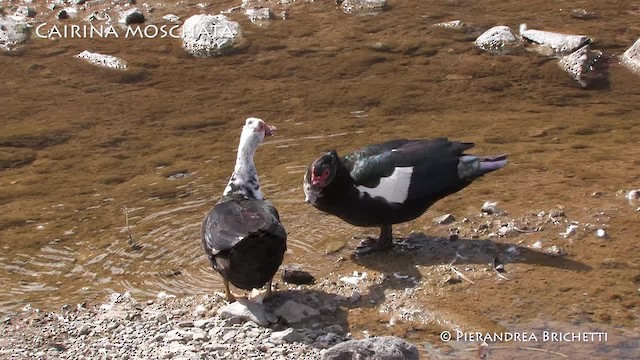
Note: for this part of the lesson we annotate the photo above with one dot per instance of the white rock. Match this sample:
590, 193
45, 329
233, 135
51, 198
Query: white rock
454, 24
175, 335
72, 12
199, 335
258, 14
561, 44
585, 65
497, 39
506, 230
444, 219
555, 251
633, 196
363, 7
491, 207
537, 245
355, 279
164, 296
210, 35
571, 229
293, 312
101, 60
202, 323
601, 233
12, 33
631, 57
288, 335
244, 310
171, 18
200, 310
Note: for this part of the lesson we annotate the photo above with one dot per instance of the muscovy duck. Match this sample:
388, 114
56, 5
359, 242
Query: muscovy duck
392, 182
242, 235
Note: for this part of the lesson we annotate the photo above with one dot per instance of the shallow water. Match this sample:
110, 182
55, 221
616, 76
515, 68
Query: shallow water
90, 149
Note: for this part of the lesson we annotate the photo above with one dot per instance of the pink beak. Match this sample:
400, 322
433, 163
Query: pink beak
270, 130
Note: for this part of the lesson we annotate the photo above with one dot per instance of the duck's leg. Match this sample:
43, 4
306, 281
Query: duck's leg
371, 245
227, 291
269, 289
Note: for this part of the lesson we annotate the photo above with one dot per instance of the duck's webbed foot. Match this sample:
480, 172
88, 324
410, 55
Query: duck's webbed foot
258, 296
231, 297
371, 245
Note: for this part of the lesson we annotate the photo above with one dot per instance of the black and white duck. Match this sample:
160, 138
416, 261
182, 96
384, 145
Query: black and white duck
242, 235
392, 182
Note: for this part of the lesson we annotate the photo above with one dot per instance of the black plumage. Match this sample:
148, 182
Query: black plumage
392, 182
244, 240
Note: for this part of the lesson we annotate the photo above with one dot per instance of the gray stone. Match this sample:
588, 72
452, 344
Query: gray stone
62, 14
497, 39
363, 7
132, 16
215, 347
211, 35
202, 323
174, 335
631, 57
84, 330
586, 66
244, 310
378, 348
294, 274
289, 335
12, 33
199, 335
293, 312
560, 44
101, 60
328, 338
26, 11
228, 336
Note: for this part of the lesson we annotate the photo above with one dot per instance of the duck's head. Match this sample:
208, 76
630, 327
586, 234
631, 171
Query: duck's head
320, 174
324, 169
257, 128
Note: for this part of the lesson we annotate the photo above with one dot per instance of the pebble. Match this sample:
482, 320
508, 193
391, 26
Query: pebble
491, 208
555, 251
444, 219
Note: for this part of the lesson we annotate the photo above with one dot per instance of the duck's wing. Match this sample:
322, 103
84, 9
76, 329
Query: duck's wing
389, 170
229, 222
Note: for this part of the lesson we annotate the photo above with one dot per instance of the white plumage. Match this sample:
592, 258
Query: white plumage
394, 188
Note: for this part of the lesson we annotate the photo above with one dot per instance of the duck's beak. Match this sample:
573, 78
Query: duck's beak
270, 130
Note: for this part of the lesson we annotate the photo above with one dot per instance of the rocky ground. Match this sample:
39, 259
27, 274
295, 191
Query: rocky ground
196, 327
310, 321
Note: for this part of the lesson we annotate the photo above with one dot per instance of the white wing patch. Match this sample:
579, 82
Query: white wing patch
394, 188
